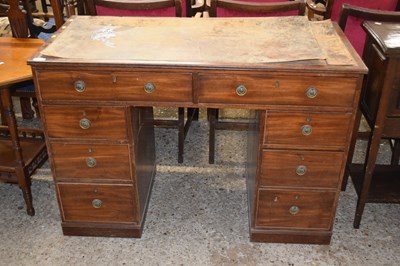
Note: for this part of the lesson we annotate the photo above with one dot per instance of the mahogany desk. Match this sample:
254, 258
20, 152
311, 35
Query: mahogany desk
18, 160
96, 96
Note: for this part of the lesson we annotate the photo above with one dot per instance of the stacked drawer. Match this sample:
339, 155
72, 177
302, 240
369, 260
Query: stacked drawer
301, 146
301, 163
100, 182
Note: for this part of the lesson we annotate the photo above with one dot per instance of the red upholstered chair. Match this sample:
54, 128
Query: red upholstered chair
353, 30
154, 8
244, 8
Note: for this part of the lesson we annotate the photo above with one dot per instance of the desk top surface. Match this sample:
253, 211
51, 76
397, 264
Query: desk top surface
13, 56
213, 42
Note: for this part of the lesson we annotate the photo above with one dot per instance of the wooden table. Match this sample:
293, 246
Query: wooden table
380, 105
96, 96
17, 159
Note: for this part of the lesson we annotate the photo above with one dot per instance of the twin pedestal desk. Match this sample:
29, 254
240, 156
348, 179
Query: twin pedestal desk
99, 78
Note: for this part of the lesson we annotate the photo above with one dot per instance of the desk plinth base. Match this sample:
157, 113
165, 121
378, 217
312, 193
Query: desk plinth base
291, 236
102, 230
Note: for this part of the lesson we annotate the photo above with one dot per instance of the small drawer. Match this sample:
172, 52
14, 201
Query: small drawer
86, 122
126, 86
91, 161
277, 90
295, 209
97, 203
158, 87
307, 128
84, 85
286, 168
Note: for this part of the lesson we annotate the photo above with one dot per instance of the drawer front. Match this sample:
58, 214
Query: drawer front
295, 209
140, 86
83, 85
97, 203
277, 90
91, 161
160, 87
301, 168
86, 122
307, 128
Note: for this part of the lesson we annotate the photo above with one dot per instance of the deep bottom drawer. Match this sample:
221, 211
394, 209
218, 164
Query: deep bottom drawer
98, 203
295, 209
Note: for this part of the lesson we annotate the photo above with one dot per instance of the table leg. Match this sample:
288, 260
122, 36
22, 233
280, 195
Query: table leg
23, 181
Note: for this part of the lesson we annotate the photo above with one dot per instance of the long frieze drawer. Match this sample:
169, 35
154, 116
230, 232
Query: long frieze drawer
141, 86
307, 128
86, 122
91, 161
295, 209
97, 203
301, 168
277, 90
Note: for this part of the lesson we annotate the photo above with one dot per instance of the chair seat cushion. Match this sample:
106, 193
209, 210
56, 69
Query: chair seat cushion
29, 88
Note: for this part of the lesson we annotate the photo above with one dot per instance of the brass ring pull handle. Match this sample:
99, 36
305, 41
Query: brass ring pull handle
149, 87
311, 92
241, 90
80, 86
294, 210
84, 123
91, 162
96, 203
301, 170
306, 130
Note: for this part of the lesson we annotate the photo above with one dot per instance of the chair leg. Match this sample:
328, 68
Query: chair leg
351, 149
3, 119
36, 107
212, 117
395, 153
193, 113
372, 152
25, 185
26, 108
181, 133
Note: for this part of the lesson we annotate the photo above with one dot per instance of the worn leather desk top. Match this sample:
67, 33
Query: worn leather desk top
213, 41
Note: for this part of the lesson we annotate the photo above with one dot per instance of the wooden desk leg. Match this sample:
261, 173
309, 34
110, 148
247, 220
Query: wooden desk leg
370, 161
23, 182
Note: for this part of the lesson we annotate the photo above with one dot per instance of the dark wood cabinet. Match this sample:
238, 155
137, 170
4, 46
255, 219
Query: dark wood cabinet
380, 105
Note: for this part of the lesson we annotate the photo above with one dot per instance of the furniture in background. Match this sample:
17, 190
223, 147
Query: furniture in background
22, 25
353, 30
22, 150
233, 8
98, 120
379, 104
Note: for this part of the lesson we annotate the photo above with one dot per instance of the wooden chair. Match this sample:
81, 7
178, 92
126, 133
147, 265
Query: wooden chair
334, 7
363, 186
233, 8
22, 150
149, 8
23, 25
